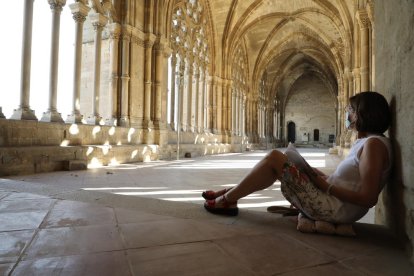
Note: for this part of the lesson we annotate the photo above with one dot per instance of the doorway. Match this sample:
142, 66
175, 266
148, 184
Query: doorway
316, 135
291, 132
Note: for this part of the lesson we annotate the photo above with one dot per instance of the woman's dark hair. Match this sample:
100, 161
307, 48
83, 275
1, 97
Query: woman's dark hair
373, 112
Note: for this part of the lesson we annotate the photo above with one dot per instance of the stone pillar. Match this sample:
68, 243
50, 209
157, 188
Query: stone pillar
201, 91
149, 42
229, 112
240, 113
98, 21
158, 80
209, 104
23, 112
180, 97
196, 99
114, 34
224, 107
172, 92
52, 115
364, 25
357, 80
126, 34
164, 88
243, 120
233, 109
219, 108
189, 93
79, 12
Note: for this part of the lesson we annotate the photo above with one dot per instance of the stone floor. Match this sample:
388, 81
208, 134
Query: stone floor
147, 219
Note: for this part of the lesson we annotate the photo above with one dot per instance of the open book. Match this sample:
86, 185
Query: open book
294, 156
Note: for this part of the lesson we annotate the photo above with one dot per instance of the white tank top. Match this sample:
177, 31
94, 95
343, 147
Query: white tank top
347, 175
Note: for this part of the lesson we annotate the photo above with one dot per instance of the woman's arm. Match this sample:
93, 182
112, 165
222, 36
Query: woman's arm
373, 161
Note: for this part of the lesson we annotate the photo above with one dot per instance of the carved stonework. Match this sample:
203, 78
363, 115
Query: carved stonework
79, 17
79, 11
98, 20
363, 19
57, 5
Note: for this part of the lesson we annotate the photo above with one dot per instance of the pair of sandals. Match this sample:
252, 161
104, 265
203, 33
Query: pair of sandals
223, 208
230, 208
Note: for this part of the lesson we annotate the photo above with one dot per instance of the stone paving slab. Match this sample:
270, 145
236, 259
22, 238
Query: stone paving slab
47, 229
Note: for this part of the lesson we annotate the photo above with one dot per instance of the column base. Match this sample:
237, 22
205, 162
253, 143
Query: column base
74, 118
111, 122
148, 124
94, 120
124, 121
23, 114
52, 117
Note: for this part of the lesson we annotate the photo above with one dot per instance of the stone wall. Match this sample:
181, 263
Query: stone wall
394, 59
310, 106
28, 147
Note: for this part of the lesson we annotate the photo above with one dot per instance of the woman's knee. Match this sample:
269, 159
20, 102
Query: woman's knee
276, 155
276, 159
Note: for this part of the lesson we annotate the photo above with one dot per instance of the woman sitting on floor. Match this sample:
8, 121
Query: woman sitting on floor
343, 197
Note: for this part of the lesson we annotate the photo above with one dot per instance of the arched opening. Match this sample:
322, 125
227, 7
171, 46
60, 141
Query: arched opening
316, 135
291, 132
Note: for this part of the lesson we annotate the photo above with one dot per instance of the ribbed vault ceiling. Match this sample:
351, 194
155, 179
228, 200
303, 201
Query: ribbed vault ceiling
284, 39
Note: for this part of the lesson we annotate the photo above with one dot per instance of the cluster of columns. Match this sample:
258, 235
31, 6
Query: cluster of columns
238, 112
190, 95
80, 11
359, 79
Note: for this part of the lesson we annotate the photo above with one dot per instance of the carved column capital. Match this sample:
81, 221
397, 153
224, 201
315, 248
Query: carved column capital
79, 11
114, 30
98, 20
370, 10
149, 40
56, 5
363, 19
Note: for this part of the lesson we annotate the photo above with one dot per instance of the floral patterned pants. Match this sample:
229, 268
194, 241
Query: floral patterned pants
299, 190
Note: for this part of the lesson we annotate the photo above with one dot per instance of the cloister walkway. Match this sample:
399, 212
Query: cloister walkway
147, 219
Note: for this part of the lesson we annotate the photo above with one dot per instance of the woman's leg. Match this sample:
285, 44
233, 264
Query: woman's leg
263, 175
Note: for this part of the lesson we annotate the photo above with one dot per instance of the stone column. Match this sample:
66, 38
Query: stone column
224, 107
114, 34
201, 91
23, 112
364, 25
149, 42
52, 115
233, 110
190, 73
126, 34
180, 96
243, 130
98, 21
172, 92
237, 106
196, 99
229, 111
79, 12
1, 114
218, 104
158, 80
356, 73
209, 104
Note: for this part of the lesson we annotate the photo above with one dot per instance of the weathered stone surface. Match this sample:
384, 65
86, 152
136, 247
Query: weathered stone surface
394, 59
